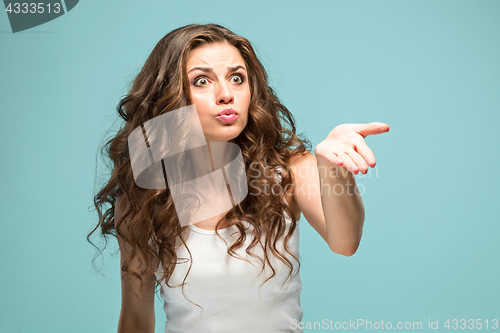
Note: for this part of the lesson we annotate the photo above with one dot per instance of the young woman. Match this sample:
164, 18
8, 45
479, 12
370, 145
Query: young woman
238, 271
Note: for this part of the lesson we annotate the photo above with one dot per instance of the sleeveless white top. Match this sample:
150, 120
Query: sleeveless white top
227, 288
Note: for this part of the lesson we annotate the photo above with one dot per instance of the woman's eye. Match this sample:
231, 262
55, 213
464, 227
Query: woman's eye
238, 79
201, 81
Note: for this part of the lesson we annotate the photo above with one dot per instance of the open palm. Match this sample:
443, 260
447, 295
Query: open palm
345, 146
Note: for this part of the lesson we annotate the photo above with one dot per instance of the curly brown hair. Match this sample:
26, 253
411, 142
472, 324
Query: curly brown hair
267, 143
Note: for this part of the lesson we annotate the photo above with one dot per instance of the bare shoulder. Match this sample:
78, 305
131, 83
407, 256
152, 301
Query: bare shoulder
306, 160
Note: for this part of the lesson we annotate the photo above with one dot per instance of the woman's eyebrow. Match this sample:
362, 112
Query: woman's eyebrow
210, 69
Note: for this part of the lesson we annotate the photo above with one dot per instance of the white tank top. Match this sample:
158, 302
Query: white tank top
228, 288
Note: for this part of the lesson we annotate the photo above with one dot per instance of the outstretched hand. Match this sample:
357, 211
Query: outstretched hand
345, 146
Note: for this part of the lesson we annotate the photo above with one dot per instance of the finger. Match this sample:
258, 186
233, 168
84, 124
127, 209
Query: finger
333, 158
358, 160
371, 128
362, 148
348, 162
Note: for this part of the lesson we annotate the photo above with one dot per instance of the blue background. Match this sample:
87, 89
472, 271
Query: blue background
429, 69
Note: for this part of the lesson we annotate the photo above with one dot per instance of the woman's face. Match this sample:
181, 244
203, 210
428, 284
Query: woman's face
220, 91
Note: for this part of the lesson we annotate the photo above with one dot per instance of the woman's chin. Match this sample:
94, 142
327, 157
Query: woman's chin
223, 137
220, 139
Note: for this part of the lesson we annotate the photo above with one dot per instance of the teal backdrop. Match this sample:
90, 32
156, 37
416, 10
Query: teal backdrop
430, 69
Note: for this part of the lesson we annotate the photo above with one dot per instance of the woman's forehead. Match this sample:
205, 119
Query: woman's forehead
214, 54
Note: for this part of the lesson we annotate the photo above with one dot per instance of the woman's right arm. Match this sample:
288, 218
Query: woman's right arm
137, 310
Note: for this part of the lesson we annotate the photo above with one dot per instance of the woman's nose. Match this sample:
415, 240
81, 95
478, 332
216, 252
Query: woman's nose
224, 94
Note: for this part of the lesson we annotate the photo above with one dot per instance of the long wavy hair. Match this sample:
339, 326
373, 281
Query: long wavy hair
267, 143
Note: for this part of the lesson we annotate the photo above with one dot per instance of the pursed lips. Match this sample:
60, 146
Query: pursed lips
227, 112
